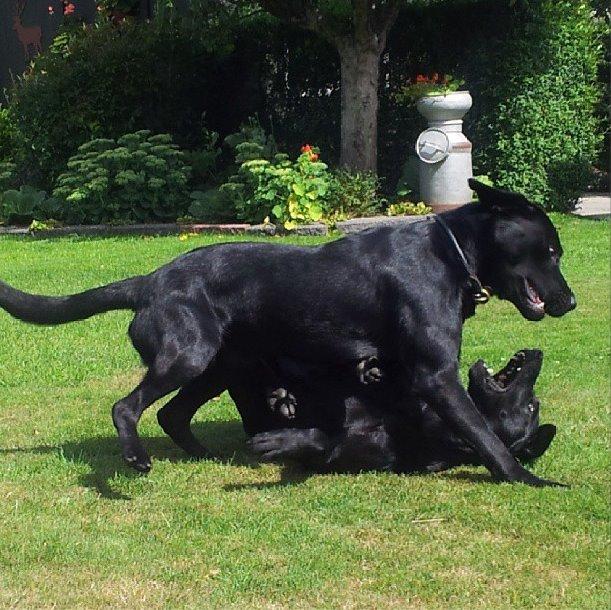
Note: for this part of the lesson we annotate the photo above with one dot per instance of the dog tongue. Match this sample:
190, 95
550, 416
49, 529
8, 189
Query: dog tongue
532, 294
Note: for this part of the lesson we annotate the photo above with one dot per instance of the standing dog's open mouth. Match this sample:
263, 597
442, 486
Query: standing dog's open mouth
535, 302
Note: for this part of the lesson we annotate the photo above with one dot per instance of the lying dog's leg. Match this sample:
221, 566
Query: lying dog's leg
351, 451
175, 417
368, 370
310, 447
280, 400
362, 451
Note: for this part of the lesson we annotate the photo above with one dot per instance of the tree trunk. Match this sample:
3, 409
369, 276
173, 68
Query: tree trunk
360, 70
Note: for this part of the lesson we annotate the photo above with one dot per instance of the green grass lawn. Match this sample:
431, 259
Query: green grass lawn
79, 530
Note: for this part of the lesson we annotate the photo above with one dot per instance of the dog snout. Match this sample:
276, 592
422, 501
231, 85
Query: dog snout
572, 302
560, 303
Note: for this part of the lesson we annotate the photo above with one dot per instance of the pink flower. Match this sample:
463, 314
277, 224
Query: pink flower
69, 9
50, 10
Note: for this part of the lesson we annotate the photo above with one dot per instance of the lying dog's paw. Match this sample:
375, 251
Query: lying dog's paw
369, 370
268, 445
283, 402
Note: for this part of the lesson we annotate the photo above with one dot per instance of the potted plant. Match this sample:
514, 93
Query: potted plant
437, 97
444, 153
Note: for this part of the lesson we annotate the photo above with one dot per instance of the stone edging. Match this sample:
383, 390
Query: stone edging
103, 230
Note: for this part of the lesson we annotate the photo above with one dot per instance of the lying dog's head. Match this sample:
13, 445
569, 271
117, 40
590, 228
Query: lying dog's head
524, 255
508, 402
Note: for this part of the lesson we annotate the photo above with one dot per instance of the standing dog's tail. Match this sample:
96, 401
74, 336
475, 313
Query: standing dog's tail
38, 309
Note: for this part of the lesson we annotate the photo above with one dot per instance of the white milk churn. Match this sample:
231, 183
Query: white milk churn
444, 151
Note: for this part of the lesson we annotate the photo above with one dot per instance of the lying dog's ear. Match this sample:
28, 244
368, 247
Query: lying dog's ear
539, 443
498, 199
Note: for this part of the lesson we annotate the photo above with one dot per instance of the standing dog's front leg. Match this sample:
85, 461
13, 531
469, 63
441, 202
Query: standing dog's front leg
437, 381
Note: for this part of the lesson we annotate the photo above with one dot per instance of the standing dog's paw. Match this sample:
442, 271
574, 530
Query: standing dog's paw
283, 402
137, 458
369, 370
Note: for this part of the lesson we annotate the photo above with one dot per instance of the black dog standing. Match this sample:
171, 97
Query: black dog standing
400, 294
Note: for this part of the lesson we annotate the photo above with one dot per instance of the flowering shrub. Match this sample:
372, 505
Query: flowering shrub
423, 85
135, 178
68, 7
293, 192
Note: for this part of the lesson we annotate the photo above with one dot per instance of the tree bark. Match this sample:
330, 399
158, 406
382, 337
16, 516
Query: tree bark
360, 70
360, 46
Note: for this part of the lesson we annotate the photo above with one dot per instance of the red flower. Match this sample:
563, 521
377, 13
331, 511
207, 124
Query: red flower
421, 78
313, 157
306, 148
69, 9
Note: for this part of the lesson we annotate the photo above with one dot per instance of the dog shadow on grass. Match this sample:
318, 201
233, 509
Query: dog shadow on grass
225, 439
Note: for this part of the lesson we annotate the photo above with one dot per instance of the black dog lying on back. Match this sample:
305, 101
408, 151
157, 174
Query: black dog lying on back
373, 435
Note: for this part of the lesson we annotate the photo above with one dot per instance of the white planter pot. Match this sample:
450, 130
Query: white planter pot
444, 108
444, 151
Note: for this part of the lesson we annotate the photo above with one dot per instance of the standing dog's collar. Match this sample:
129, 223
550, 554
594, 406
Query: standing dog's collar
481, 294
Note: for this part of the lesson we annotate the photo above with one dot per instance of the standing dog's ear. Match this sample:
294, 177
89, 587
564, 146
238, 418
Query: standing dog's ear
498, 199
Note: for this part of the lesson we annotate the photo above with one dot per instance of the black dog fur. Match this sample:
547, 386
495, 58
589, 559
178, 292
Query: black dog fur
398, 294
373, 435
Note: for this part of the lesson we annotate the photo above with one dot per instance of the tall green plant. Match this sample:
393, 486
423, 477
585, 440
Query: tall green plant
543, 132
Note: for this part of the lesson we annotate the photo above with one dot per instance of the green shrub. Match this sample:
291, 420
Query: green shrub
354, 194
251, 142
203, 160
9, 137
23, 205
292, 192
542, 130
213, 205
102, 81
408, 208
8, 176
267, 184
139, 177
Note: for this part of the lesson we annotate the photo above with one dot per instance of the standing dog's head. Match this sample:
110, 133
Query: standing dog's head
524, 257
508, 402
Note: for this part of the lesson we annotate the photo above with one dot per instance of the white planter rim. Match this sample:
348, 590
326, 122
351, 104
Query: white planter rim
431, 95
